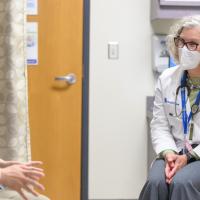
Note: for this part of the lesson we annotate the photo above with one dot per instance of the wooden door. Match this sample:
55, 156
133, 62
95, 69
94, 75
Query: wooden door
55, 106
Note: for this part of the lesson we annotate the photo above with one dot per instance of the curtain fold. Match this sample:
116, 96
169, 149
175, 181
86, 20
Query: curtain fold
14, 130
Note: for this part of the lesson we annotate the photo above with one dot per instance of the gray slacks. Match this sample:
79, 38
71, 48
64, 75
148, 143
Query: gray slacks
185, 184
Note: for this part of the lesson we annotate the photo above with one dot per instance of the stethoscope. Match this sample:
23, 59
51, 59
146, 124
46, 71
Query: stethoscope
187, 118
182, 88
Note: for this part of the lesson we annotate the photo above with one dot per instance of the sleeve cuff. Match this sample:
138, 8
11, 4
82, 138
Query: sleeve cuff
194, 155
163, 153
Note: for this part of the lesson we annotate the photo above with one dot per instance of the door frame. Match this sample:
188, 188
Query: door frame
85, 101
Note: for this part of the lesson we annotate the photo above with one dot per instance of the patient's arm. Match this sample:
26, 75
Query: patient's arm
20, 177
4, 163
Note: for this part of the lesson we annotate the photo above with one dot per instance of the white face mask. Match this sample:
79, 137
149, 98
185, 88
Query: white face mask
188, 59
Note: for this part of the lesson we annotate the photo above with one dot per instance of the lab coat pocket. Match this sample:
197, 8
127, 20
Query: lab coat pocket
173, 113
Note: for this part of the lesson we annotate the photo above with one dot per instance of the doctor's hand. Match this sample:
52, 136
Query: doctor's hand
22, 177
173, 164
170, 159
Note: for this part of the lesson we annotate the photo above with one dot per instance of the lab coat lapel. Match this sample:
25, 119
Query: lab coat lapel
176, 83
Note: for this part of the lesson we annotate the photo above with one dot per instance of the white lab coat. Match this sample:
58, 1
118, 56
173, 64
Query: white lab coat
166, 129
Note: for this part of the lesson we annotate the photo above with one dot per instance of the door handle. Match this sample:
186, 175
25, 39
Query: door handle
69, 78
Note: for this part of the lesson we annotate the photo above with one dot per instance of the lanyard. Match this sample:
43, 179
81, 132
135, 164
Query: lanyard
185, 118
184, 111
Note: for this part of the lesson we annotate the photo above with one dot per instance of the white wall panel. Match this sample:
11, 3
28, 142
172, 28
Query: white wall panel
118, 90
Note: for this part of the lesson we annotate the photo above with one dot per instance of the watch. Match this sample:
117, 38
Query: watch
2, 187
189, 157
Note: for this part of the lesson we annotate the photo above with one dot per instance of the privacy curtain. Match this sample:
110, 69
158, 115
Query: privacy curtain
14, 131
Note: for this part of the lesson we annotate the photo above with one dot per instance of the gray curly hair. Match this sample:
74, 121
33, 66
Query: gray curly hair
176, 29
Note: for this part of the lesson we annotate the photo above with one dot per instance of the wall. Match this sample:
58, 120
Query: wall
118, 90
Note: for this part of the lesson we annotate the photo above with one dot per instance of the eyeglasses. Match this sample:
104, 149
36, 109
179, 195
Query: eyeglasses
180, 43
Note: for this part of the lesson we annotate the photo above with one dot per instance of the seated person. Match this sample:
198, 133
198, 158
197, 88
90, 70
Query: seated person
175, 128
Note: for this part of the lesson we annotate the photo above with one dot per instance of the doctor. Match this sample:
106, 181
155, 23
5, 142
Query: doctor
175, 128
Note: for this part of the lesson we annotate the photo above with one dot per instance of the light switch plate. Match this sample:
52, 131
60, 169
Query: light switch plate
113, 50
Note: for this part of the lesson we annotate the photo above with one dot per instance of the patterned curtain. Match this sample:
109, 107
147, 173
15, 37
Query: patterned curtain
14, 131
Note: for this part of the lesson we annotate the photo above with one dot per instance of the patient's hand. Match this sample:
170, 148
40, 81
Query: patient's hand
20, 177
